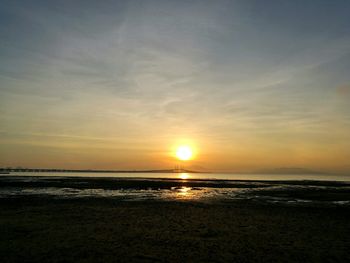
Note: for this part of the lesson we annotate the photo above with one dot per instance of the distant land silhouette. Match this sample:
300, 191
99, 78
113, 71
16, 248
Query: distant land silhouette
54, 170
281, 170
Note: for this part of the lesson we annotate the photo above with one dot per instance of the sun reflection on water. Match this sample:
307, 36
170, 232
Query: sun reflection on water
184, 193
184, 176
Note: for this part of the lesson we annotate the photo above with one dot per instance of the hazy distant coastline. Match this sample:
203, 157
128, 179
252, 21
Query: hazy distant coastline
53, 170
272, 171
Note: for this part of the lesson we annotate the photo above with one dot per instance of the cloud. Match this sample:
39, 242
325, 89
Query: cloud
213, 69
344, 90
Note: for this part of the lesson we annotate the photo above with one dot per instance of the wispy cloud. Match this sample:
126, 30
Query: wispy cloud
139, 70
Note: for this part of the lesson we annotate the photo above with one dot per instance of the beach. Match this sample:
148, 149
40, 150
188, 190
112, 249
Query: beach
53, 228
174, 131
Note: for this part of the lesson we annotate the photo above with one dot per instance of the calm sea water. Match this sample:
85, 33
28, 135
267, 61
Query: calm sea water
224, 176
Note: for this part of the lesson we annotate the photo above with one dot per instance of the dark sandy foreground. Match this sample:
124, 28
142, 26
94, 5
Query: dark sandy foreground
107, 230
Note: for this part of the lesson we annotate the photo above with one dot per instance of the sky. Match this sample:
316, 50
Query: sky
250, 85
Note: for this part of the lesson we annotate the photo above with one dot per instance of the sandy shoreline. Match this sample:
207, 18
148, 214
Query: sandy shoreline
160, 220
107, 230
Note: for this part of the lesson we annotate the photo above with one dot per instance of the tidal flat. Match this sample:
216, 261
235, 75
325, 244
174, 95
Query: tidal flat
46, 229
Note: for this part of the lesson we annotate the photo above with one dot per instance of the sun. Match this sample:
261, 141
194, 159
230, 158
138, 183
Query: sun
184, 153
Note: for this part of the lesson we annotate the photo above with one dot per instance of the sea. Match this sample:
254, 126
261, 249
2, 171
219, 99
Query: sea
219, 176
287, 189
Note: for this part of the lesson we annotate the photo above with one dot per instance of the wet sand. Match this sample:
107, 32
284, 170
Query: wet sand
42, 229
302, 192
63, 219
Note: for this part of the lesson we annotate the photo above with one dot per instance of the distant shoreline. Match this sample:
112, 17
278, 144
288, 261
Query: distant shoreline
39, 170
